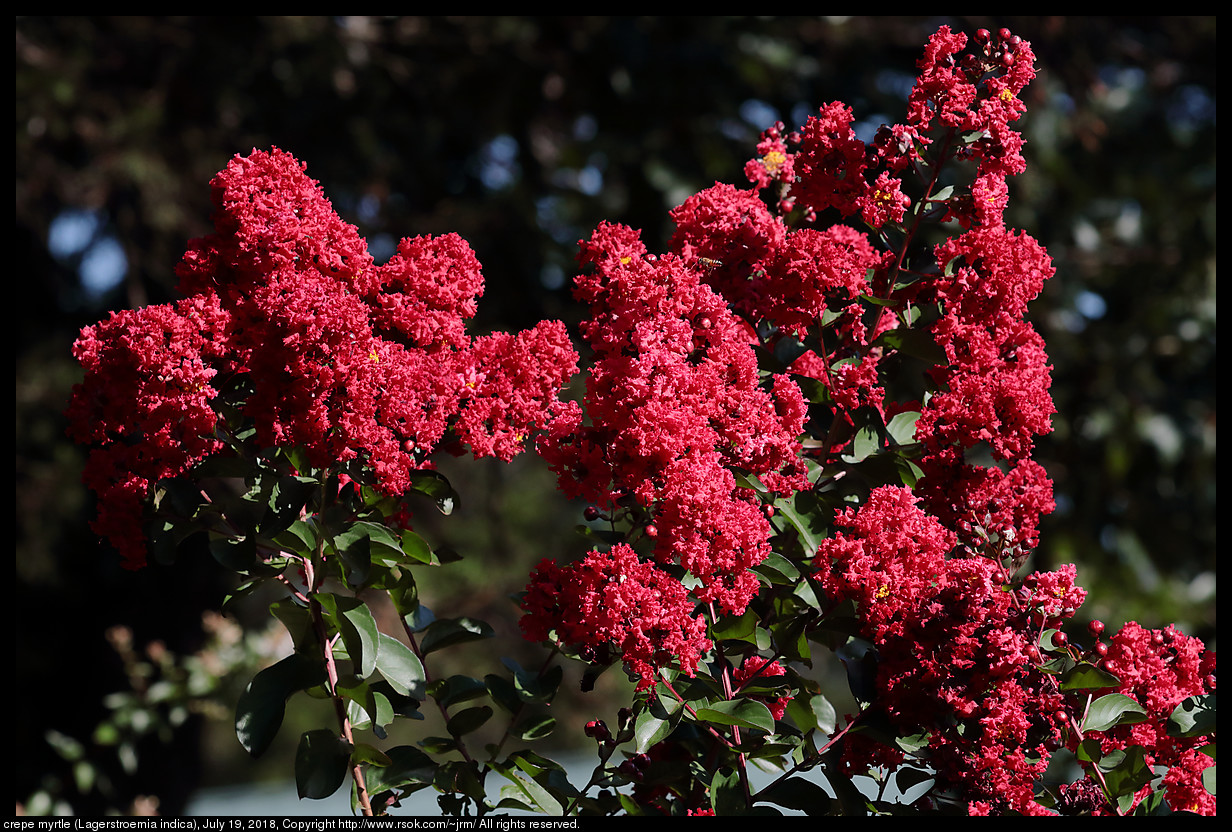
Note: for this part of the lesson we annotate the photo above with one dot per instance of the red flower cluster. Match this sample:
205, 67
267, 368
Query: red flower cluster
675, 402
789, 279
835, 169
343, 358
758, 670
994, 387
145, 405
613, 604
956, 650
975, 93
729, 234
892, 553
1160, 669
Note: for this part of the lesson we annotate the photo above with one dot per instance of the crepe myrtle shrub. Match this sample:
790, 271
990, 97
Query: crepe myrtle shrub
805, 438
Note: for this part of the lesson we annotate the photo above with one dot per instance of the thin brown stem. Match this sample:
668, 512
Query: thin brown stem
693, 713
729, 694
340, 708
314, 577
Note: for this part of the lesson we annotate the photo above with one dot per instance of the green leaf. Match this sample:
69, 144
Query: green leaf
352, 687
407, 765
1113, 709
851, 801
416, 548
457, 777
404, 593
809, 538
439, 745
300, 537
918, 343
866, 443
67, 747
738, 628
824, 713
361, 543
790, 638
383, 539
321, 763
1152, 804
767, 361
727, 793
366, 706
524, 789
799, 794
1195, 717
289, 496
533, 688
298, 622
503, 692
1087, 676
912, 743
859, 659
1089, 751
813, 390
445, 632
902, 427
352, 618
400, 667
239, 554
906, 778
419, 619
1129, 773
357, 558
468, 720
455, 689
260, 709
435, 486
370, 755
777, 569
655, 724
744, 713
534, 728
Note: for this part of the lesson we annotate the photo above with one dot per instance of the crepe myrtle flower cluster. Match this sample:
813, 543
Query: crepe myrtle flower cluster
675, 404
992, 389
611, 604
695, 427
956, 651
1160, 669
339, 356
929, 568
959, 654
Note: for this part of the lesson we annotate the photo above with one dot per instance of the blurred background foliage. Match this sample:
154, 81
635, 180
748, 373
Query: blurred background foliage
521, 134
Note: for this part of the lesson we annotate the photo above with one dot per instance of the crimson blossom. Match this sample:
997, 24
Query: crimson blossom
322, 349
613, 604
675, 402
1160, 669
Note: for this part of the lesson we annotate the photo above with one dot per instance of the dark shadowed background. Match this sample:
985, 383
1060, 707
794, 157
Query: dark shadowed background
521, 134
